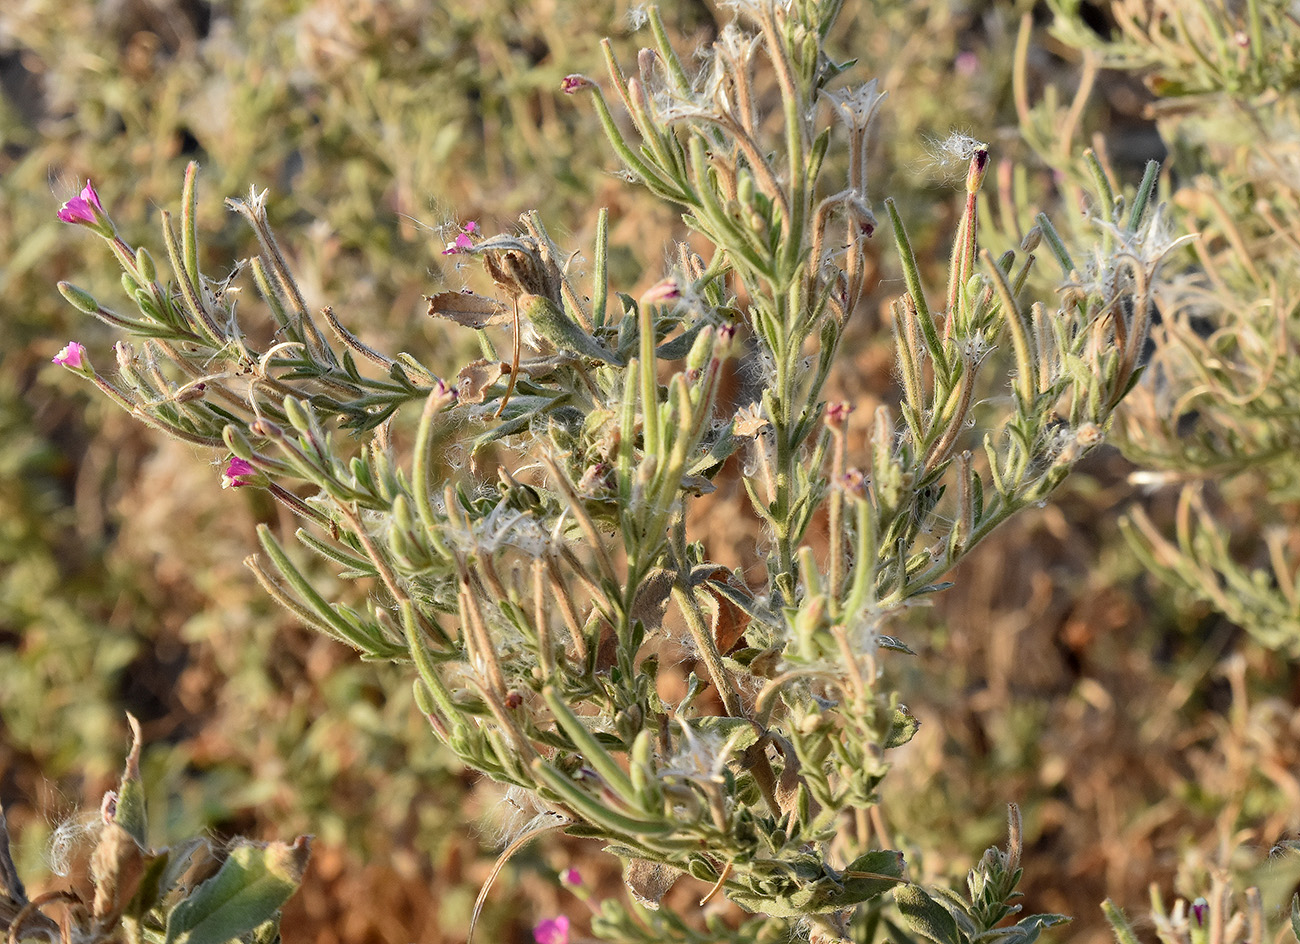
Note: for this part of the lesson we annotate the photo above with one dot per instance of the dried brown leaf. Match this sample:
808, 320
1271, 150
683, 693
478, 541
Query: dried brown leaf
474, 379
468, 309
649, 881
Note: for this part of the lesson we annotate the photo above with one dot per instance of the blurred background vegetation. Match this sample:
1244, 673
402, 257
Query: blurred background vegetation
1146, 735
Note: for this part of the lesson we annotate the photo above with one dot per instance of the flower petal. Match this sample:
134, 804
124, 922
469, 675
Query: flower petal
73, 355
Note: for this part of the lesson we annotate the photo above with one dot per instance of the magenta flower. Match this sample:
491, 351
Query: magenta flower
552, 931
838, 413
82, 209
575, 83
72, 356
238, 473
462, 243
571, 877
662, 293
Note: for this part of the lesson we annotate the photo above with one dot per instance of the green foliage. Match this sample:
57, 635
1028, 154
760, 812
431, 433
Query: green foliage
991, 888
193, 892
479, 579
1220, 418
135, 593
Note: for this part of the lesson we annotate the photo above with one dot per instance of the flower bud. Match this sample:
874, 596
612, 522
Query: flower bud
145, 265
576, 83
296, 411
645, 61
701, 350
237, 442
79, 298
979, 165
663, 292
265, 428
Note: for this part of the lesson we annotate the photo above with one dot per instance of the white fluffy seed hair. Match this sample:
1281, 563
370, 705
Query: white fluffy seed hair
75, 831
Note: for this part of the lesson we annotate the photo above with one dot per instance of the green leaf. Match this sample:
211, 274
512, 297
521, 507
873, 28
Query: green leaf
1028, 929
562, 331
129, 811
926, 916
812, 891
737, 733
247, 892
902, 728
871, 875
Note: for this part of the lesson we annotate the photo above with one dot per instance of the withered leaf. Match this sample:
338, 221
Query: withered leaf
116, 868
648, 881
474, 379
729, 620
468, 309
651, 600
787, 787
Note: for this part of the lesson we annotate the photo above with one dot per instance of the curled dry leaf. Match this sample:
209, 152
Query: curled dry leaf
468, 309
749, 421
729, 620
649, 881
117, 867
651, 602
474, 379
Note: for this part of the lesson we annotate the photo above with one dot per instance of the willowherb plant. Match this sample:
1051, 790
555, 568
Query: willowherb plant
1220, 417
540, 605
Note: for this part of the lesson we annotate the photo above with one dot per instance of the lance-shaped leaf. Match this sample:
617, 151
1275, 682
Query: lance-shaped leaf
814, 891
246, 893
926, 916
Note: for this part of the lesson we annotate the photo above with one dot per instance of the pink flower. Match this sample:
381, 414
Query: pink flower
82, 209
462, 243
552, 931
575, 83
662, 293
837, 414
571, 877
72, 356
238, 473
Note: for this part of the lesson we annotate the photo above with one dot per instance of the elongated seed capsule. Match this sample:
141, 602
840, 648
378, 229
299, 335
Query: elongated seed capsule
591, 809
641, 767
591, 749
